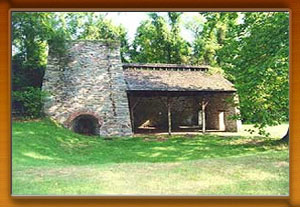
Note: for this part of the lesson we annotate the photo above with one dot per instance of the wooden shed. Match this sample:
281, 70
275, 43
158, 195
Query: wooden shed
178, 98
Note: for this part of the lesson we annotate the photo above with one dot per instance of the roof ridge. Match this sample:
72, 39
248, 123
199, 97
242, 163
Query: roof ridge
163, 66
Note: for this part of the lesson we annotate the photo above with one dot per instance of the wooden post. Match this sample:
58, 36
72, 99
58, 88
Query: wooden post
168, 105
169, 115
203, 105
132, 119
131, 113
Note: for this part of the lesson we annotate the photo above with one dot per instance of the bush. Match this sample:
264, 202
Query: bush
29, 101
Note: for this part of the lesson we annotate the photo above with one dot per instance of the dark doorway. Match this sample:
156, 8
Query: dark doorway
86, 124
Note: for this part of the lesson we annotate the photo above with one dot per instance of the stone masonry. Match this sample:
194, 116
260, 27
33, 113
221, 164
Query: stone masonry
88, 81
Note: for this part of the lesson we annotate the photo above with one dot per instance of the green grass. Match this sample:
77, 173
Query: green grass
275, 131
50, 160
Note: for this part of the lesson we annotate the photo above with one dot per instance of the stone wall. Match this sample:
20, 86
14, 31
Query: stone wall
220, 102
88, 80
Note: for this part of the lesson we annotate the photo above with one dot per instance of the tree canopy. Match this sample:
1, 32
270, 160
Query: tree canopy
256, 58
158, 41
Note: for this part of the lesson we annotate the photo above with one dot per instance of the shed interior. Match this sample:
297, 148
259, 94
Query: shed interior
153, 111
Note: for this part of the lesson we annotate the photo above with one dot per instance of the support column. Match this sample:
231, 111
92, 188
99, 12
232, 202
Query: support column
132, 119
203, 106
131, 113
169, 115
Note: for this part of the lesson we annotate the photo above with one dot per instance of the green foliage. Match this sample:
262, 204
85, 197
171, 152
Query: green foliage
156, 41
256, 58
30, 31
31, 34
253, 50
30, 99
210, 31
25, 76
34, 32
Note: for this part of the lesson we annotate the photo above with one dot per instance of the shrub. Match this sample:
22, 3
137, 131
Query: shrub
29, 100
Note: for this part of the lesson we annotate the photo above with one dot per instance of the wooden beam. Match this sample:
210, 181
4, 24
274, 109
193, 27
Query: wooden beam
203, 106
169, 115
132, 119
136, 103
169, 105
131, 112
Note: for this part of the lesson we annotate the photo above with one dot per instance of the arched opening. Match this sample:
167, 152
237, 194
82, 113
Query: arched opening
86, 124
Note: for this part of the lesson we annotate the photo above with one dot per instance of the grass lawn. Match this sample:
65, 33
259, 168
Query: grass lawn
50, 160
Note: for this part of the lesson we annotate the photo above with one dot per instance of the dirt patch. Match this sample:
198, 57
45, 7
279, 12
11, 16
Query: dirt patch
161, 139
256, 142
281, 164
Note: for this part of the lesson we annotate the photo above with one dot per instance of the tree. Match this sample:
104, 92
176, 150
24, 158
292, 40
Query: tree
256, 58
210, 29
157, 41
30, 33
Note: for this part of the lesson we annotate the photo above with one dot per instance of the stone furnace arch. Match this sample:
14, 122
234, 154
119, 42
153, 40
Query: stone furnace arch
86, 124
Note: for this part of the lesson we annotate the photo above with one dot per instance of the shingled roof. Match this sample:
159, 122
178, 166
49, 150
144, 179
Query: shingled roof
168, 77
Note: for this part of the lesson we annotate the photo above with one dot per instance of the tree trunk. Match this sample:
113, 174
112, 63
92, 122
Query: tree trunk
286, 137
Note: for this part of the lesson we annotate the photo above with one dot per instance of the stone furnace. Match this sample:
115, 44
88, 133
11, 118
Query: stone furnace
86, 89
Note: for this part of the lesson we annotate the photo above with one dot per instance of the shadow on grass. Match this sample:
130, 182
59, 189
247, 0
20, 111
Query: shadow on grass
44, 143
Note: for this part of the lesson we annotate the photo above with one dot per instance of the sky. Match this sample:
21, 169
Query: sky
131, 20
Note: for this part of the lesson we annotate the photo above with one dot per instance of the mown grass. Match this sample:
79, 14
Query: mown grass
50, 160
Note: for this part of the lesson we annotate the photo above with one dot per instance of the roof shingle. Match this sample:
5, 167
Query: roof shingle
174, 80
